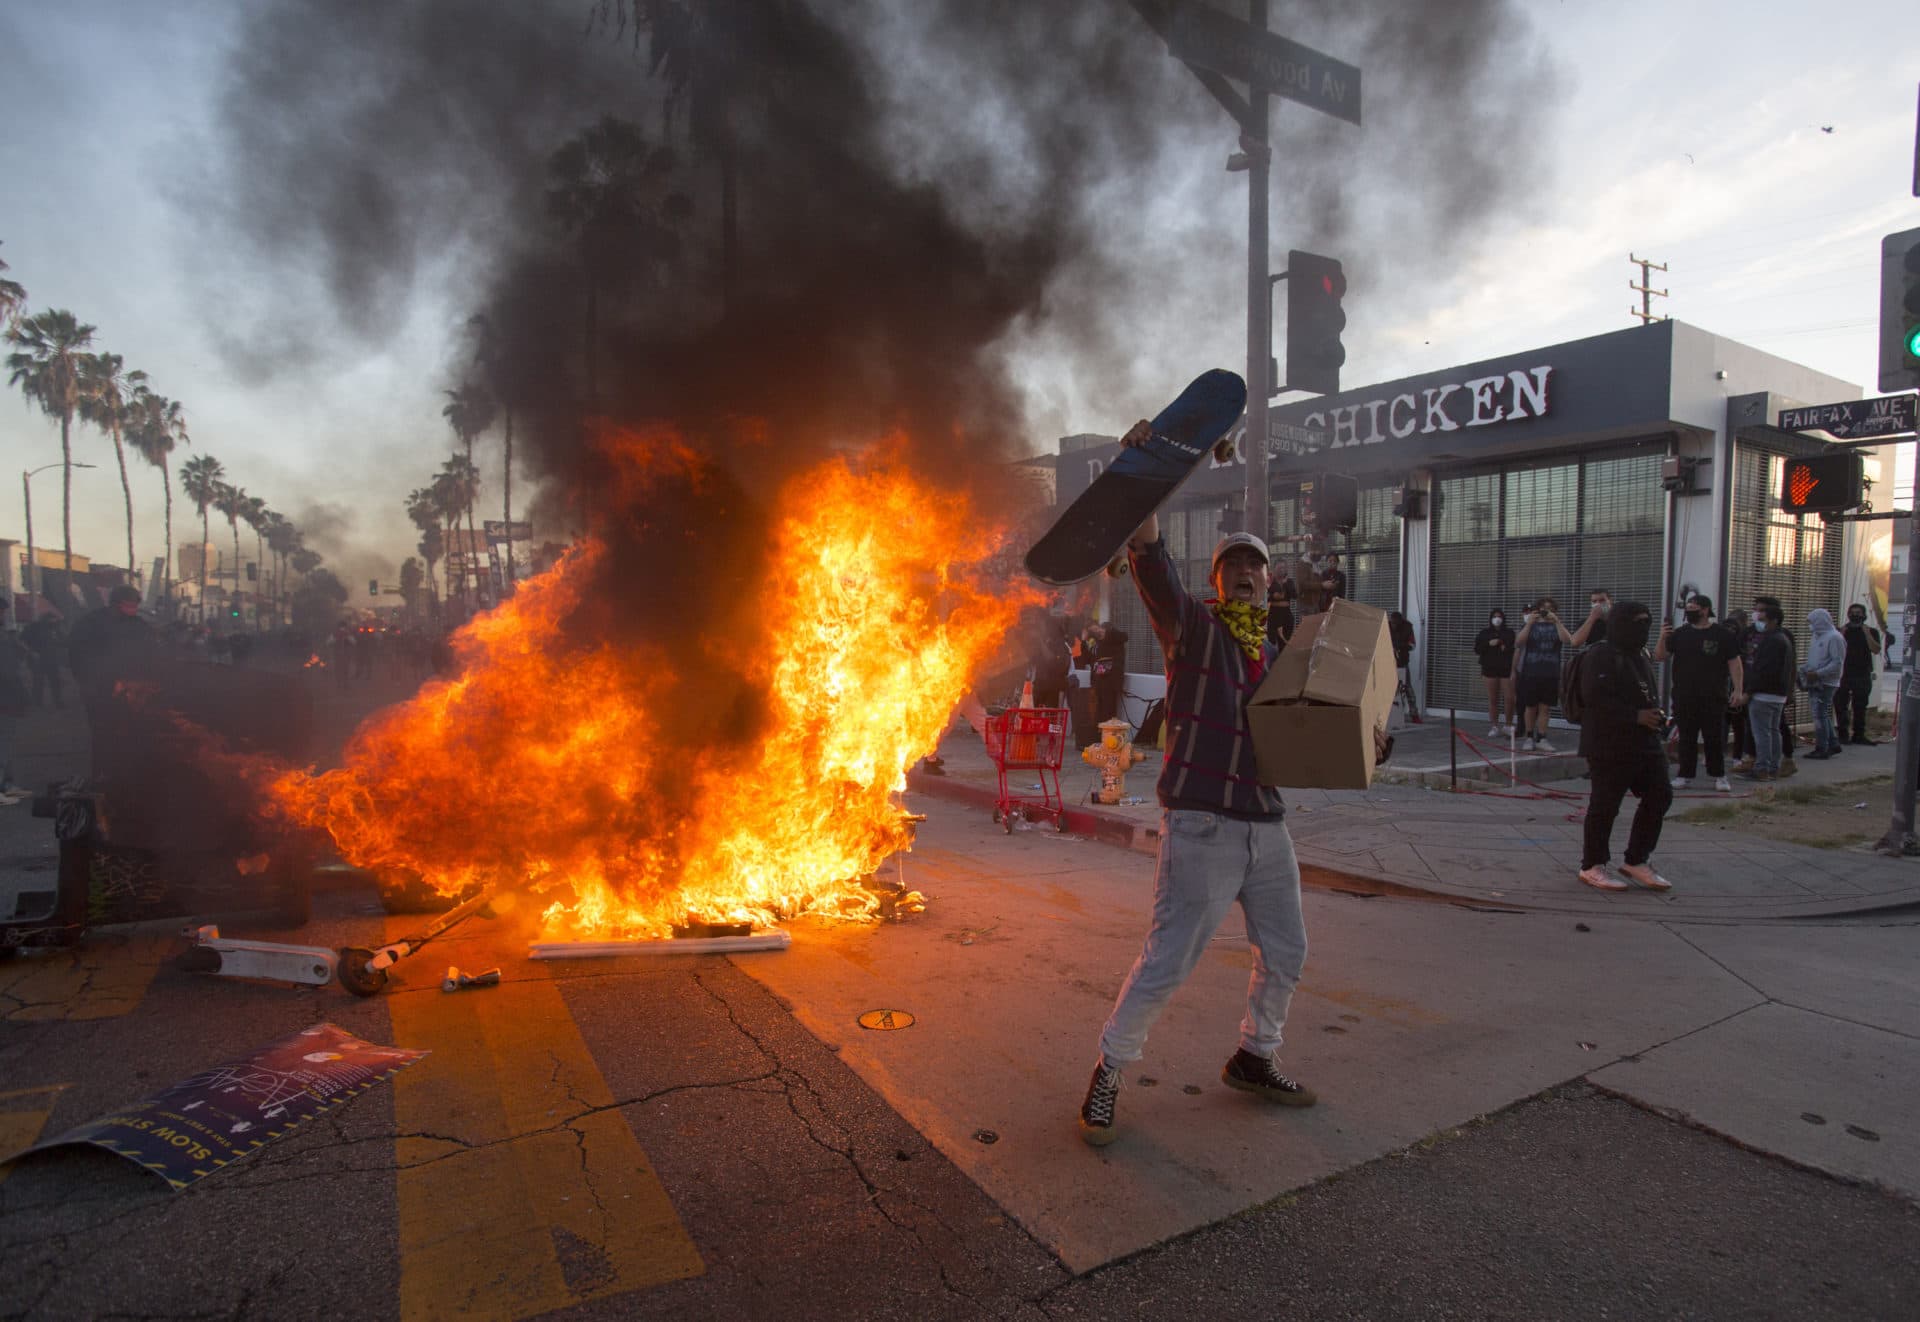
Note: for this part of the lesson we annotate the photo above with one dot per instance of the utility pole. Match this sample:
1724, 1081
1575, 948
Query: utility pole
1253, 141
1647, 293
1899, 837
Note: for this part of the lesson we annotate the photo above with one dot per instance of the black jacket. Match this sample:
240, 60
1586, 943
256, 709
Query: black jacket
1616, 686
1770, 667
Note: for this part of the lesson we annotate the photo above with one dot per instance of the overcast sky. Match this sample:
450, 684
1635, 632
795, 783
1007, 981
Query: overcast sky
1692, 134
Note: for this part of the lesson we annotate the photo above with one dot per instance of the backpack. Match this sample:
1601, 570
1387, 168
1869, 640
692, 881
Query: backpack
1572, 702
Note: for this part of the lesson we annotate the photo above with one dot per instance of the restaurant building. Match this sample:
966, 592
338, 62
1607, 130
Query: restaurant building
1646, 461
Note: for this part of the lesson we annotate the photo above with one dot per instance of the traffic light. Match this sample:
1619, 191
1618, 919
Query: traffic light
1330, 502
1900, 311
1315, 319
1823, 485
253, 572
373, 587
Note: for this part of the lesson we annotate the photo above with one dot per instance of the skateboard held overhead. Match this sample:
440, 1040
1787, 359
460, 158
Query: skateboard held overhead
1094, 529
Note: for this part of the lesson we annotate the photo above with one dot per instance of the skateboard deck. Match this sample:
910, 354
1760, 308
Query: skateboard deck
1094, 529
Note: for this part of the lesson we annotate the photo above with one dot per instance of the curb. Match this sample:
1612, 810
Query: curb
1109, 828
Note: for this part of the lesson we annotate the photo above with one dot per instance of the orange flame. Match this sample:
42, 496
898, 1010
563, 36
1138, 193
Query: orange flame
542, 764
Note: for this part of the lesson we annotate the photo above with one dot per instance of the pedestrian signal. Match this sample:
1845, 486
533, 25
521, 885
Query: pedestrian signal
1825, 484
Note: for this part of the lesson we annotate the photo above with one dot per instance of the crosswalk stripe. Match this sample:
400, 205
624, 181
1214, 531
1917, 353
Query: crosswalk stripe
103, 979
508, 1208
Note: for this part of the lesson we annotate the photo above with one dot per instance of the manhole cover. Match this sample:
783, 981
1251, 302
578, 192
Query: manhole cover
885, 1019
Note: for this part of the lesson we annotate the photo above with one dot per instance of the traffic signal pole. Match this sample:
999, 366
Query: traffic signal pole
1253, 142
1906, 748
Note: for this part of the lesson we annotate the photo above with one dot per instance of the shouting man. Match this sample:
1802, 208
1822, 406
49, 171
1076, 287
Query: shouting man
1222, 837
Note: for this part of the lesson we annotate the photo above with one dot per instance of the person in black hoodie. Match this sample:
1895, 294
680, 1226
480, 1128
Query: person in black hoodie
1494, 646
1620, 738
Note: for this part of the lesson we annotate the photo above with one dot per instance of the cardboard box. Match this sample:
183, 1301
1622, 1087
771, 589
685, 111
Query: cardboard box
1314, 716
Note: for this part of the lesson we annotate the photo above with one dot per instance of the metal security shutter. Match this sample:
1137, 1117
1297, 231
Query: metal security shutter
1371, 555
1793, 557
1507, 536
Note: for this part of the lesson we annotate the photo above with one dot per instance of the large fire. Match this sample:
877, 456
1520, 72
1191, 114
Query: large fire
538, 768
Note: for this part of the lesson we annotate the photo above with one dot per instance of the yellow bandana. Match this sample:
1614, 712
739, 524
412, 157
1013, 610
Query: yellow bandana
1246, 622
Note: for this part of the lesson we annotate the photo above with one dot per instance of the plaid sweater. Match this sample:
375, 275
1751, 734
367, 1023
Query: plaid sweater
1209, 759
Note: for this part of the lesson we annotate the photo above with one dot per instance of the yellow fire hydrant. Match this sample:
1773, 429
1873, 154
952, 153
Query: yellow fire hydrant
1114, 755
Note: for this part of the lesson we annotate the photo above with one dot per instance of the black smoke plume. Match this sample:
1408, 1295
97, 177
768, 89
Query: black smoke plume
932, 204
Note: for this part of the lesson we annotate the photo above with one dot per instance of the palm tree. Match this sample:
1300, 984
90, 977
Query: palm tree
607, 189
424, 511
254, 513
488, 357
107, 393
699, 52
46, 369
13, 297
230, 501
453, 491
470, 410
201, 480
158, 425
282, 539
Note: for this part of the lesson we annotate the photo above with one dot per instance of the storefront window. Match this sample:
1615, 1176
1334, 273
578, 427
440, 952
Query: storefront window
1507, 536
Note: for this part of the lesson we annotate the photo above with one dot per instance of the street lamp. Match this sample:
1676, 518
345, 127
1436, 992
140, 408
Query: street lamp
26, 488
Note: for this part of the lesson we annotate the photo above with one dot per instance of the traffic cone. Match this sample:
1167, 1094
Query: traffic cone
1026, 694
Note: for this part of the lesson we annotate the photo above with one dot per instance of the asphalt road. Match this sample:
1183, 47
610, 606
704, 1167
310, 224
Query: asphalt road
618, 1139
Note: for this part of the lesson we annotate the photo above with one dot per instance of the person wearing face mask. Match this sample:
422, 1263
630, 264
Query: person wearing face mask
1740, 738
1706, 663
1620, 738
1494, 646
1768, 678
1856, 678
1768, 608
1820, 677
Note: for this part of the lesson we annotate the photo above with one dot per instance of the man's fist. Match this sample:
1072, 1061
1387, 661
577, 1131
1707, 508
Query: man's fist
1649, 719
1139, 434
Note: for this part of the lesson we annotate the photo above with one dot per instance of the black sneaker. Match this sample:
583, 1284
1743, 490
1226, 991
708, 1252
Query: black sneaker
1259, 1075
1096, 1113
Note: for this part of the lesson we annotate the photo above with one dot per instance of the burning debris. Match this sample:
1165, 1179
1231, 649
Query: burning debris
557, 761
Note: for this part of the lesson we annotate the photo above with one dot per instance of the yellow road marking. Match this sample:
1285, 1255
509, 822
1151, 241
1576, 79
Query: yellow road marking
102, 979
21, 1129
510, 1209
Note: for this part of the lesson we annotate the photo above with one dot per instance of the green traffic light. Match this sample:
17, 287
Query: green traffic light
1913, 341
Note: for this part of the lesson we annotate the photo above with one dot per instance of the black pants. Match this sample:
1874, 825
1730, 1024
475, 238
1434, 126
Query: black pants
1646, 775
1106, 694
1704, 719
1856, 691
1742, 735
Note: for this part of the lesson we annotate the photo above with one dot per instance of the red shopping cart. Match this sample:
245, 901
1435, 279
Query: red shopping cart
1029, 739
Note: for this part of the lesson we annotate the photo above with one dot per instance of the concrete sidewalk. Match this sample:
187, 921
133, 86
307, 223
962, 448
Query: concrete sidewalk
1517, 847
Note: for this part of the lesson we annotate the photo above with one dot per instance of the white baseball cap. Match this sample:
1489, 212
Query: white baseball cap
1245, 539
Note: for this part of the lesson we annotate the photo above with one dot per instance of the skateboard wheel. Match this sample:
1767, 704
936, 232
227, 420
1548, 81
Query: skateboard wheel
1224, 449
356, 976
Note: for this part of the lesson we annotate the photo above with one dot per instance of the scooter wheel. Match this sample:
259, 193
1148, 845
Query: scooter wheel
356, 976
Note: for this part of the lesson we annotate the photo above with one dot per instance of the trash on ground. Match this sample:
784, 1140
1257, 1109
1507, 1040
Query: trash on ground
219, 1116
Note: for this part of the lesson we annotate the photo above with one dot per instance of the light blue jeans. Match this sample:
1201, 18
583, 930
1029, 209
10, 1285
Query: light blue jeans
1821, 695
1763, 718
1207, 862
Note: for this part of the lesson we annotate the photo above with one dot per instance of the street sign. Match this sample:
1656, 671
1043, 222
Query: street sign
496, 531
1855, 419
1209, 39
1289, 439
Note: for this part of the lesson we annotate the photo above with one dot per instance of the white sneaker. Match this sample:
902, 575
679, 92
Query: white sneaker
1723, 786
1681, 783
1601, 879
1641, 874
1495, 732
1542, 746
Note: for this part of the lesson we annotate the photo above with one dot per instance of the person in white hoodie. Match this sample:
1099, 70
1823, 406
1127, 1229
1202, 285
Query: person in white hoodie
1820, 677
